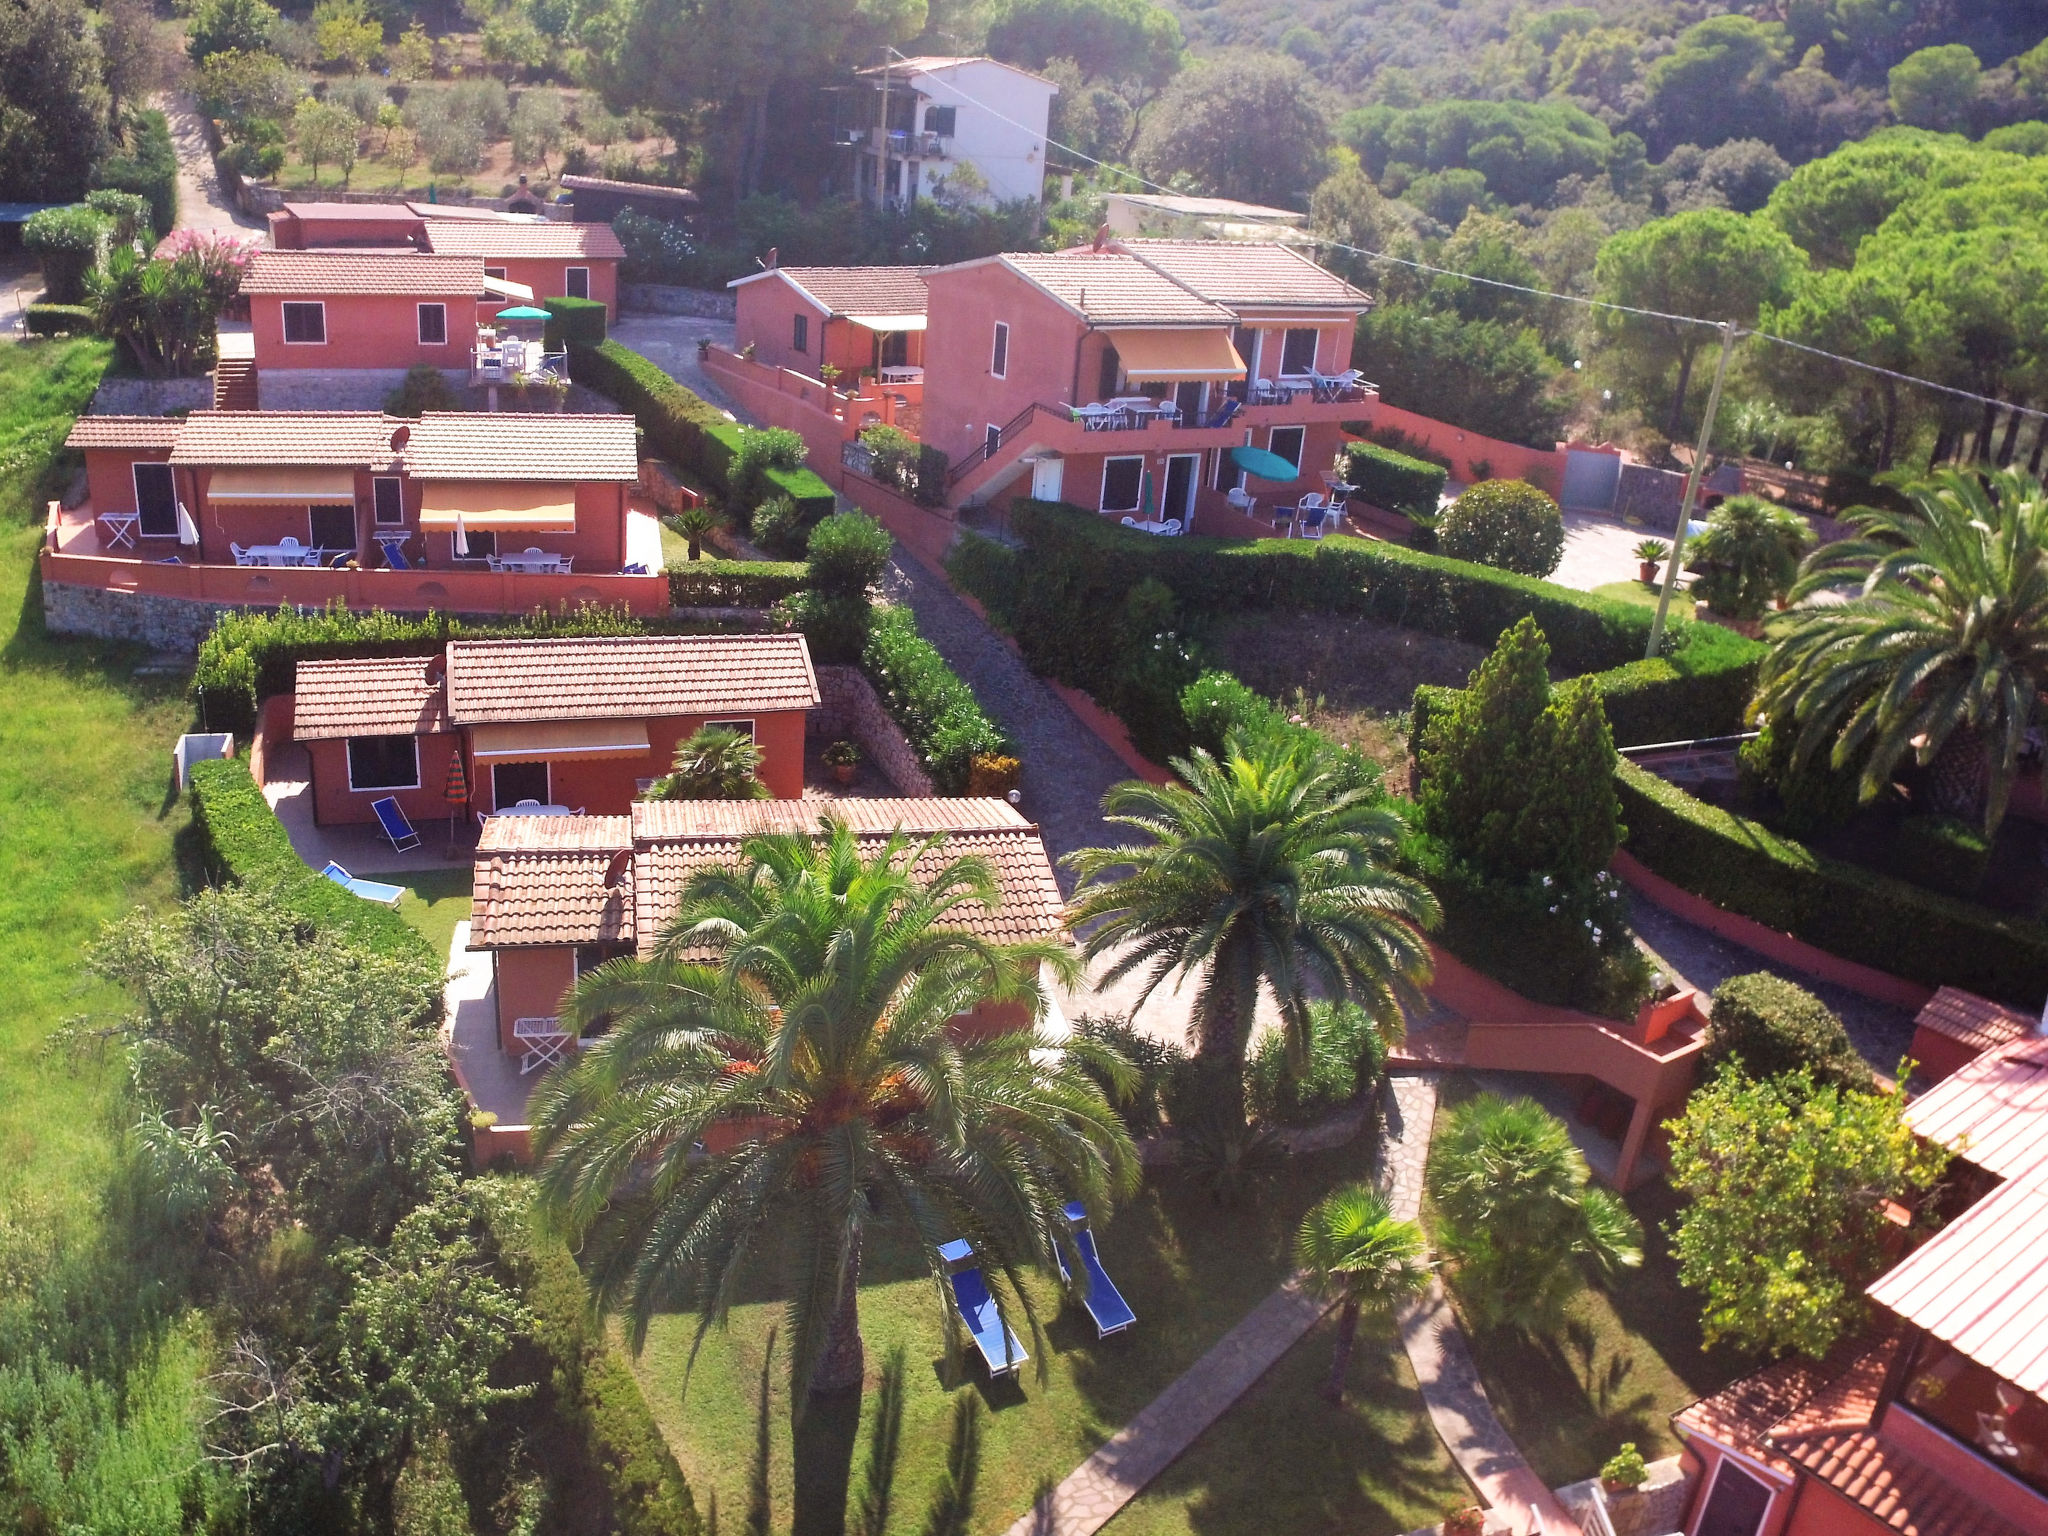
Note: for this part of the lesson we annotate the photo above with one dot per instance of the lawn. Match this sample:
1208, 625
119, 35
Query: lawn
1191, 1270
435, 901
1643, 597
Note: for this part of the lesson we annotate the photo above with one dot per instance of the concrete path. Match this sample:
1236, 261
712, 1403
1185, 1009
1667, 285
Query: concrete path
202, 202
1451, 1389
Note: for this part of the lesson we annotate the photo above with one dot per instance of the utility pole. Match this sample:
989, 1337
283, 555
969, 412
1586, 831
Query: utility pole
1692, 491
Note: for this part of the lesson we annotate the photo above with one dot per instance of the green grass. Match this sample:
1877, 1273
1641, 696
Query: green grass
1190, 1269
435, 901
1643, 597
88, 816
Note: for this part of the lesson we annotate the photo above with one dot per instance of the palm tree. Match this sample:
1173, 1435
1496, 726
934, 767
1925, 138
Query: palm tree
1260, 869
1942, 650
1519, 1214
1749, 555
1353, 1248
814, 1061
715, 763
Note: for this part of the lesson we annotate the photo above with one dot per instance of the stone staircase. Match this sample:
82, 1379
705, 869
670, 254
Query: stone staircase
234, 384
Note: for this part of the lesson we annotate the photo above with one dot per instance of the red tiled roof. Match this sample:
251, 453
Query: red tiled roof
552, 880
367, 696
318, 273
1114, 289
1993, 1111
380, 213
674, 839
361, 439
634, 676
1248, 275
482, 445
517, 240
854, 291
1892, 1486
1974, 1021
124, 432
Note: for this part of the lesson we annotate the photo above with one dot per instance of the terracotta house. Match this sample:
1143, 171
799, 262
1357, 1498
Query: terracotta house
1934, 1422
555, 896
541, 258
857, 319
316, 315
577, 725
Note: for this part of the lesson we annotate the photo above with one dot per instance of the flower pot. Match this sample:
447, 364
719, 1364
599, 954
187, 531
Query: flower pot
1646, 573
844, 772
1615, 1490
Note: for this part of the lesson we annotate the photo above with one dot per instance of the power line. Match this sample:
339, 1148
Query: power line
1522, 288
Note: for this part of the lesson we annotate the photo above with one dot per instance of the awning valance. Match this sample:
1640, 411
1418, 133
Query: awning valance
498, 506
294, 485
560, 740
505, 290
889, 322
1167, 357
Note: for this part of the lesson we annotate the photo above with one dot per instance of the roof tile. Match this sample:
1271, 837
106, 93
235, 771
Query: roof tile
368, 696
1993, 1111
552, 880
1248, 274
1973, 1021
521, 240
124, 432
473, 445
1114, 289
856, 290
361, 439
633, 676
317, 273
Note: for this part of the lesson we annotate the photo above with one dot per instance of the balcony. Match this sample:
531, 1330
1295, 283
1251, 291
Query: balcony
517, 363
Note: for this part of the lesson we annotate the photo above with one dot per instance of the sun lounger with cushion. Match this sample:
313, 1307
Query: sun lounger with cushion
369, 890
1000, 1350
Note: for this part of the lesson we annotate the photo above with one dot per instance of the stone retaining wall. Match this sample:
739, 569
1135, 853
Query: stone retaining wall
150, 397
662, 299
148, 618
851, 709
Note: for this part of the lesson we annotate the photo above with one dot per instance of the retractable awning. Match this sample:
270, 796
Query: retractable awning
498, 506
1167, 357
889, 322
293, 485
559, 740
505, 290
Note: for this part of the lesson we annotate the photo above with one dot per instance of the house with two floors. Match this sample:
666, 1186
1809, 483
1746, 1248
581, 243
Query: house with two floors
973, 128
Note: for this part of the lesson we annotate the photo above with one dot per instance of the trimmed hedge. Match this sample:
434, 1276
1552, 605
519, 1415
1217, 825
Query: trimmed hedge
1393, 480
937, 711
1842, 908
735, 583
573, 323
58, 320
242, 840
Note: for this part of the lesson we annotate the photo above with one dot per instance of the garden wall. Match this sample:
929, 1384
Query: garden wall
666, 299
851, 709
1507, 461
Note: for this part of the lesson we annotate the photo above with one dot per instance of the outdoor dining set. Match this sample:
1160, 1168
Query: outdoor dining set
288, 551
1126, 413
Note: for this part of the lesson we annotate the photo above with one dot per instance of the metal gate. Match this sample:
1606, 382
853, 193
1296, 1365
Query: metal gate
1590, 480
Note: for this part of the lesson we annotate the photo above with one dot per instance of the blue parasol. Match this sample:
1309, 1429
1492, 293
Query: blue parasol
523, 312
1262, 465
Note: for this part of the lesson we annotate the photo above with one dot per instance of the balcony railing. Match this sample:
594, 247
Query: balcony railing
530, 365
917, 146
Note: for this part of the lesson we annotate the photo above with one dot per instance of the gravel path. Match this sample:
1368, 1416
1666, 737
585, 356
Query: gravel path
202, 203
1880, 1032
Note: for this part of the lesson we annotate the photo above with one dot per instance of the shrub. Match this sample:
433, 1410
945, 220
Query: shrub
58, 319
1508, 524
1748, 555
778, 527
1625, 1469
425, 389
937, 711
1161, 1072
1395, 481
1856, 913
70, 242
1942, 854
147, 166
1773, 1026
760, 450
834, 625
127, 212
848, 552
573, 323
735, 583
1346, 1056
1804, 800
1216, 704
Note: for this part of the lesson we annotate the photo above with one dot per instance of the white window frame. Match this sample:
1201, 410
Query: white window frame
999, 351
349, 762
376, 518
546, 767
1102, 493
136, 481
569, 282
991, 440
1315, 347
420, 320
284, 309
1773, 1489
1300, 447
1186, 511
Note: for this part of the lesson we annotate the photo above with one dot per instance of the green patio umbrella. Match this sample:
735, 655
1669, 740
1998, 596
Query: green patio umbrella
1145, 501
523, 312
1262, 465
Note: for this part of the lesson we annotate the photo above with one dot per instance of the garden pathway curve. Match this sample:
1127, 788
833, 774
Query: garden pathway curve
1457, 1403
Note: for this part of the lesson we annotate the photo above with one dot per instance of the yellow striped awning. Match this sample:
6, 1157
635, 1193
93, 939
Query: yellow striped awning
293, 485
498, 506
1169, 357
560, 740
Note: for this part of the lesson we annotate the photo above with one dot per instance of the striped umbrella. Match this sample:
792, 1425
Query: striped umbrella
457, 790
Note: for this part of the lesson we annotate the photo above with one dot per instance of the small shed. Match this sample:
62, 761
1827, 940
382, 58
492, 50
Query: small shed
597, 200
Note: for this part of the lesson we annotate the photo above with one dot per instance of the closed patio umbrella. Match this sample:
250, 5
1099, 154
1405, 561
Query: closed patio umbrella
188, 531
456, 792
461, 539
1262, 464
1145, 501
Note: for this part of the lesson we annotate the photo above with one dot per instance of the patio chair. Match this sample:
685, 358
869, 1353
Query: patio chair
1103, 1302
394, 557
1000, 1350
392, 819
1224, 412
1170, 528
370, 890
242, 556
1312, 521
170, 560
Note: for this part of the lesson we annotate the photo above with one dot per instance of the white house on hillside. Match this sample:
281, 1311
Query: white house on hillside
913, 125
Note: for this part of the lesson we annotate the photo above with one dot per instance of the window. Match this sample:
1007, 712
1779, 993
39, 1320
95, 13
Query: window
481, 545
1191, 396
333, 527
1112, 373
940, 120
577, 281
1121, 482
383, 762
1298, 352
895, 350
433, 325
2005, 1425
497, 272
156, 500
1286, 441
514, 782
305, 324
1736, 1506
999, 361
991, 440
739, 727
800, 333
390, 500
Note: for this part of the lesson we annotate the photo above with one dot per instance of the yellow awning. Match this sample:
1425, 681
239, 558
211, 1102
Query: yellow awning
498, 506
306, 485
889, 322
507, 290
560, 740
1167, 357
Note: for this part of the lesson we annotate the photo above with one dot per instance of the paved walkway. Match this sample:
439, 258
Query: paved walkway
202, 202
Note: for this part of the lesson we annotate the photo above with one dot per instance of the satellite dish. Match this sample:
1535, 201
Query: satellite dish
400, 438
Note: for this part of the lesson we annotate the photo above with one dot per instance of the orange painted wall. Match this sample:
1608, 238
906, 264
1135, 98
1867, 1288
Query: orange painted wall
548, 278
1823, 1512
109, 475
1542, 467
1081, 481
962, 398
364, 330
335, 804
598, 541
765, 316
531, 984
607, 786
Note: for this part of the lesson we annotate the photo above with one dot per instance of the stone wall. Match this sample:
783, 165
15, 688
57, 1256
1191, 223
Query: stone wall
851, 709
335, 389
661, 299
152, 619
150, 397
1651, 1510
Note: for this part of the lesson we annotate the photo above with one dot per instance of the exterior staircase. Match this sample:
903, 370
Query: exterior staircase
234, 384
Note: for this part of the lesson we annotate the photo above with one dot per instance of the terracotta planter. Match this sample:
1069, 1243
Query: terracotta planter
1646, 573
1615, 1490
844, 772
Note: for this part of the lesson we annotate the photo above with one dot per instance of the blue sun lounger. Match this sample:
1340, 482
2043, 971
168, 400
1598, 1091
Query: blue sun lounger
369, 890
1000, 1350
1105, 1303
392, 819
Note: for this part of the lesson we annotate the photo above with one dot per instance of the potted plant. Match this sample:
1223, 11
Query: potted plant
1624, 1471
703, 348
1652, 553
843, 758
1464, 1520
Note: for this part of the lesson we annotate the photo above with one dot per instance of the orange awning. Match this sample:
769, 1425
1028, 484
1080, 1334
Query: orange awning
498, 506
289, 485
1168, 357
560, 740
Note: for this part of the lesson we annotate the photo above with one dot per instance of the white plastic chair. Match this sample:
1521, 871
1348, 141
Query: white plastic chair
242, 556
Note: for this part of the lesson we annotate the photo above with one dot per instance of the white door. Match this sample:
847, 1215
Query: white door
1047, 477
